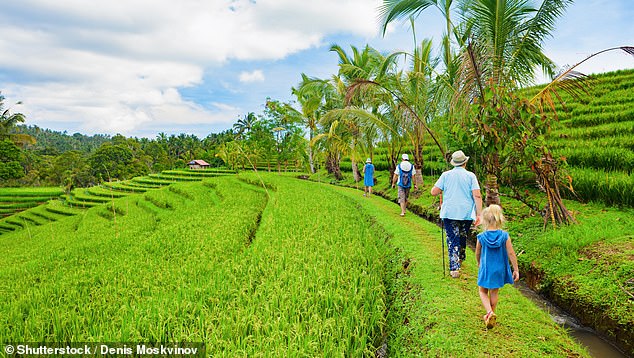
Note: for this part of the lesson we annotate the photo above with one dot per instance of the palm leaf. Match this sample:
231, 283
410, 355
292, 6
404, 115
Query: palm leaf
392, 10
571, 81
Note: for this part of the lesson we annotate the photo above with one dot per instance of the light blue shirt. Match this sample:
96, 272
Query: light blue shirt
457, 196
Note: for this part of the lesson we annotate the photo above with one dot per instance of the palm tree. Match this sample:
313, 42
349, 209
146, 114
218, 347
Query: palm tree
506, 48
244, 126
8, 124
393, 10
360, 65
311, 94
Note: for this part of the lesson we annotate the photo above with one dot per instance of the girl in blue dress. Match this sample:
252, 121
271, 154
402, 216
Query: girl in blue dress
368, 177
494, 250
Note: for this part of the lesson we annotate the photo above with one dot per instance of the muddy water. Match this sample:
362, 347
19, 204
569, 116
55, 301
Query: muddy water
596, 345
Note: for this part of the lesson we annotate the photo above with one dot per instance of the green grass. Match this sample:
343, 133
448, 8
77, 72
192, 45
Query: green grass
586, 268
433, 315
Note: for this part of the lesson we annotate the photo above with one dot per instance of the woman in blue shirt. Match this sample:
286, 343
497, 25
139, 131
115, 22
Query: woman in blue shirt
368, 177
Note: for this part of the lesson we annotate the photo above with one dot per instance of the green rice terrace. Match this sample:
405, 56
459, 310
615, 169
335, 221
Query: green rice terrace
268, 264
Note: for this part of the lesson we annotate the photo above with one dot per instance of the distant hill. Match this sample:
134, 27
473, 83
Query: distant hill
53, 142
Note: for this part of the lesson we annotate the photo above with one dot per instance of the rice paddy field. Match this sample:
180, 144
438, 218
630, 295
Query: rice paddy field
254, 265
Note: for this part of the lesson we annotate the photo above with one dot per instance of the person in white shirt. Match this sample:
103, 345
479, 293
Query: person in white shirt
404, 178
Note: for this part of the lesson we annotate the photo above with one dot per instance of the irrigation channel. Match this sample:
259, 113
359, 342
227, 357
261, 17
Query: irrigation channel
597, 345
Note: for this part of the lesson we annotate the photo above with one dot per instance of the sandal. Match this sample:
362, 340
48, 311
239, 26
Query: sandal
489, 319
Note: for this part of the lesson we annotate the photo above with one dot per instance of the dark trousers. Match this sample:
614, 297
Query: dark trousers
457, 232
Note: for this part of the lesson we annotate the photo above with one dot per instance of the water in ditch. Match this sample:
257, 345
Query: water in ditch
596, 345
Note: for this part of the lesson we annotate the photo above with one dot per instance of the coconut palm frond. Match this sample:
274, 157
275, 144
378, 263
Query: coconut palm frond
571, 81
469, 78
356, 88
534, 31
628, 49
388, 63
393, 10
363, 117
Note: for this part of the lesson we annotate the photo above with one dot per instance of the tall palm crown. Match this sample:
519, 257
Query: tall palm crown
507, 34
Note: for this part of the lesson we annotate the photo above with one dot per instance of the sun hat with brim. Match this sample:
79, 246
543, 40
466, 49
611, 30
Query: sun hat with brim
458, 158
405, 157
368, 160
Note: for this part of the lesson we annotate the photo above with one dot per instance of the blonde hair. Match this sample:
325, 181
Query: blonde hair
492, 217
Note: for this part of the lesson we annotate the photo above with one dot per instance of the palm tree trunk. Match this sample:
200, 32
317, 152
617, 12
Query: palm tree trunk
492, 190
355, 171
332, 165
311, 160
491, 182
419, 161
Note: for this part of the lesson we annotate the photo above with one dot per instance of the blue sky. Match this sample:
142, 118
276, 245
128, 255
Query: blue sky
140, 67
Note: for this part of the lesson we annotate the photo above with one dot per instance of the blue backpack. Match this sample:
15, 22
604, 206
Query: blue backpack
405, 177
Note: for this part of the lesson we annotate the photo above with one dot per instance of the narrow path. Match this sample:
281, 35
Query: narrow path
435, 315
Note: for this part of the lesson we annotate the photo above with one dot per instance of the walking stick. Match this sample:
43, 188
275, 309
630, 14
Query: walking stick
442, 240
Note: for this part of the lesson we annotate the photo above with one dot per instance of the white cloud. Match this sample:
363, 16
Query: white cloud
120, 66
253, 76
124, 65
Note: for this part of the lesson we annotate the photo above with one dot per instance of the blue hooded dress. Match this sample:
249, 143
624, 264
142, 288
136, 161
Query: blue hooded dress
495, 270
368, 179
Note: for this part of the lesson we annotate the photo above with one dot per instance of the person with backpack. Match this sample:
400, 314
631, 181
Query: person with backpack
461, 204
403, 177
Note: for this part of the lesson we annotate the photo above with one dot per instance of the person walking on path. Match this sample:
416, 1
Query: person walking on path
461, 204
493, 252
403, 177
368, 177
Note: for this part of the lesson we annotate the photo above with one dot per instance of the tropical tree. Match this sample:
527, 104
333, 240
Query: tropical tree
360, 65
393, 10
243, 126
10, 156
405, 101
111, 162
504, 49
285, 127
8, 124
328, 94
312, 95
